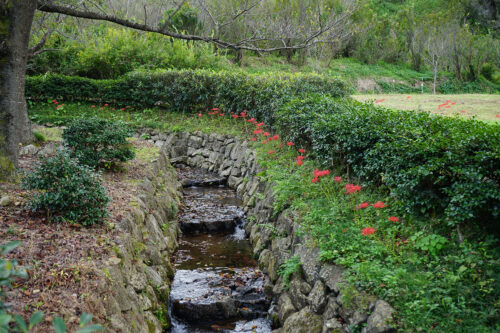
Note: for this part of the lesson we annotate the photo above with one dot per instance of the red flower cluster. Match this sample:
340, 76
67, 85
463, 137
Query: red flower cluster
379, 205
318, 174
393, 219
302, 150
351, 188
363, 205
290, 143
270, 152
368, 231
337, 179
299, 160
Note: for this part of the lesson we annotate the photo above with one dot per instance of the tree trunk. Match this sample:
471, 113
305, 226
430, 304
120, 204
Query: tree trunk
16, 17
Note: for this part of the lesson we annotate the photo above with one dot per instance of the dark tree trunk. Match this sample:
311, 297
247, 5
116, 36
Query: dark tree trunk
16, 17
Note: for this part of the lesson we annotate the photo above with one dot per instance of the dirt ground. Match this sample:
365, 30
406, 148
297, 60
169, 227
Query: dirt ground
64, 261
481, 106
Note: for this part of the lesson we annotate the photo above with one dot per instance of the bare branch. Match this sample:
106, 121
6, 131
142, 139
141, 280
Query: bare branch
50, 7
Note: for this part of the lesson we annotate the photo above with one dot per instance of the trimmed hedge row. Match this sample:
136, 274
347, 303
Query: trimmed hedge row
434, 165
188, 90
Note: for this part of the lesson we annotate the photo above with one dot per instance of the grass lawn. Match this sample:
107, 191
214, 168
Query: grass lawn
482, 106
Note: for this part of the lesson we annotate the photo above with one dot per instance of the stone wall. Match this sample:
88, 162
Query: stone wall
313, 301
133, 293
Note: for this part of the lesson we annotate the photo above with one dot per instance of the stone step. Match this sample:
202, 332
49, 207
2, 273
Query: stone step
219, 294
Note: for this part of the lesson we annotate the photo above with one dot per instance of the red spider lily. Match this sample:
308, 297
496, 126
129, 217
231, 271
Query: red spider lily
54, 101
300, 158
200, 115
379, 205
92, 106
302, 150
393, 219
463, 111
337, 179
221, 114
300, 162
235, 116
363, 205
270, 152
380, 100
266, 134
290, 143
408, 97
251, 120
281, 145
254, 139
351, 188
243, 114
320, 173
123, 109
215, 109
447, 106
59, 106
257, 131
269, 139
497, 116
106, 104
275, 137
264, 142
368, 231
453, 103
260, 124
314, 180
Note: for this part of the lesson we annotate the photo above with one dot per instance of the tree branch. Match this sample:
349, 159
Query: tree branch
167, 21
50, 7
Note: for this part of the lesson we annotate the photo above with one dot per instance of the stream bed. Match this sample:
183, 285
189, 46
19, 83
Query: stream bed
217, 286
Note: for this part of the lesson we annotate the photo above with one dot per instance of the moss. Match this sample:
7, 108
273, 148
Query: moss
162, 314
6, 167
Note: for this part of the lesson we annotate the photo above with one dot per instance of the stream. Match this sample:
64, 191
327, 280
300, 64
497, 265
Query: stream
217, 285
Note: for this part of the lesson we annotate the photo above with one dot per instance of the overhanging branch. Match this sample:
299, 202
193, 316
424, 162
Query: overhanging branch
50, 7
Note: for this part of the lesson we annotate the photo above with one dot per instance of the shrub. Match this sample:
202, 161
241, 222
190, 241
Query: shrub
96, 141
433, 165
189, 90
39, 137
68, 190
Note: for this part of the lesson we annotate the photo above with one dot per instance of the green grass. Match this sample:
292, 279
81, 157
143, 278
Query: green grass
480, 106
435, 282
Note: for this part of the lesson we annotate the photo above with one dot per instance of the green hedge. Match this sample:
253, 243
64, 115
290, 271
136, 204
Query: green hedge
434, 165
188, 90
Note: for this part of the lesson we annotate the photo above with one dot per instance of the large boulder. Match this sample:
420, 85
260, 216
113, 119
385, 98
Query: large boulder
304, 321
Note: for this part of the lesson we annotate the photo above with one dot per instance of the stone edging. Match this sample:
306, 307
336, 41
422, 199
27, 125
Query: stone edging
133, 293
313, 302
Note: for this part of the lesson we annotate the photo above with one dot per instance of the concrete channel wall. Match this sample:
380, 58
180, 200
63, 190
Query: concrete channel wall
314, 301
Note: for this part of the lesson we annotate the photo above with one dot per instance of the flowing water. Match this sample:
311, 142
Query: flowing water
217, 286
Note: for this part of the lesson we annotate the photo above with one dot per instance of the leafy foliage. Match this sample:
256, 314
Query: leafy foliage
68, 190
290, 267
431, 164
189, 90
97, 141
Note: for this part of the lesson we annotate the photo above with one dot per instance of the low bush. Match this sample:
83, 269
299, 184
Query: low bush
188, 90
434, 165
67, 190
97, 141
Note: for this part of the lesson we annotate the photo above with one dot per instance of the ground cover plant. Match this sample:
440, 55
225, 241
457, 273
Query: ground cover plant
438, 277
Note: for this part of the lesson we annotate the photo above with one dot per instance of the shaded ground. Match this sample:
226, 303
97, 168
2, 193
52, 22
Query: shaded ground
482, 106
65, 260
